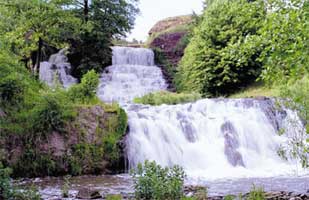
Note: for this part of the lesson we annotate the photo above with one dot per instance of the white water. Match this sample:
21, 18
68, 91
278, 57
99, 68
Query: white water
57, 70
132, 74
211, 138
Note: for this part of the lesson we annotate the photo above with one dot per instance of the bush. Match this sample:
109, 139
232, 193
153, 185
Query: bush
256, 193
285, 33
86, 90
222, 55
9, 192
151, 181
169, 98
12, 89
114, 197
51, 113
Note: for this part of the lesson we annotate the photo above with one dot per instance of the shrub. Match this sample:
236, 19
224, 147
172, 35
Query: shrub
229, 197
114, 197
12, 89
169, 98
86, 90
285, 33
256, 193
9, 192
151, 181
51, 113
222, 55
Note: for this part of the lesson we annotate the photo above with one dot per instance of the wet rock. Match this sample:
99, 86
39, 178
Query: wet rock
231, 144
86, 193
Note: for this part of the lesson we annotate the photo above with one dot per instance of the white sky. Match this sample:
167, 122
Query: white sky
154, 10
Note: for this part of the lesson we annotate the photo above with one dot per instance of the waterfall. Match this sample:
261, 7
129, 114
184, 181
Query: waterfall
210, 138
133, 74
57, 69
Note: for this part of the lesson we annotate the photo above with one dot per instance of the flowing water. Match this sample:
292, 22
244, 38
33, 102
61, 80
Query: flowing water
57, 70
133, 74
226, 144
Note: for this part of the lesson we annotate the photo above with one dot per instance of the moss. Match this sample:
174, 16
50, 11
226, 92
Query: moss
169, 98
86, 158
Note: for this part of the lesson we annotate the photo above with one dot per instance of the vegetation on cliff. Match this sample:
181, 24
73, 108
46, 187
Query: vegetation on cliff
52, 131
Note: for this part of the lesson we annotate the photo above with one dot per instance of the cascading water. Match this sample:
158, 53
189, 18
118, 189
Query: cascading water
211, 138
57, 69
132, 74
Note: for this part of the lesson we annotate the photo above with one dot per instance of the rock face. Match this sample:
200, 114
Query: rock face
169, 37
90, 144
231, 144
170, 23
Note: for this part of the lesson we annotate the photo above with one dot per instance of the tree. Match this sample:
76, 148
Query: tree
286, 35
108, 19
222, 55
28, 24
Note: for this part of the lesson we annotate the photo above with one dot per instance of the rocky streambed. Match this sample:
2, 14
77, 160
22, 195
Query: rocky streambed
99, 187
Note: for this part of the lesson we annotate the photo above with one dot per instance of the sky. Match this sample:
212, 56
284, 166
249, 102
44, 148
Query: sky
154, 10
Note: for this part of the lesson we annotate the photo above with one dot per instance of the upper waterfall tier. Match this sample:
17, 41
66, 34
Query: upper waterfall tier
132, 56
132, 74
57, 69
212, 138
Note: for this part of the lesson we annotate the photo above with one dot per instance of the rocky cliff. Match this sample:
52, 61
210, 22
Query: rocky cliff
88, 145
168, 38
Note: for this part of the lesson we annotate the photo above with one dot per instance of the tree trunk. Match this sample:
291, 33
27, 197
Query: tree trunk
86, 10
38, 56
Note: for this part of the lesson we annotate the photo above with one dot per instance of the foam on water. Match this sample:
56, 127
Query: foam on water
212, 139
57, 69
133, 74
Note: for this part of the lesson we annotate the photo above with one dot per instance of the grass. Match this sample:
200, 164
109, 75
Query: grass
169, 98
257, 90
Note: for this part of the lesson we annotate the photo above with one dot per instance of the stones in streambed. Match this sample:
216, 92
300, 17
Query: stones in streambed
86, 193
195, 191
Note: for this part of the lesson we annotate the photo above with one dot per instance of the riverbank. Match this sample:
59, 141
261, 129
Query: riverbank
276, 187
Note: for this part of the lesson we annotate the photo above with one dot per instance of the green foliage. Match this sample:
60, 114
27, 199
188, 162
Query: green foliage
285, 34
24, 22
86, 158
229, 197
256, 194
85, 92
107, 19
114, 197
163, 97
51, 113
116, 129
66, 186
9, 192
223, 53
151, 181
11, 89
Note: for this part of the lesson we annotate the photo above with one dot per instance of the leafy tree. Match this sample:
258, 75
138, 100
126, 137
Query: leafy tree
28, 24
222, 54
108, 19
286, 37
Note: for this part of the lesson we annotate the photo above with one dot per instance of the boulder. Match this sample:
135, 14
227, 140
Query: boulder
87, 193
